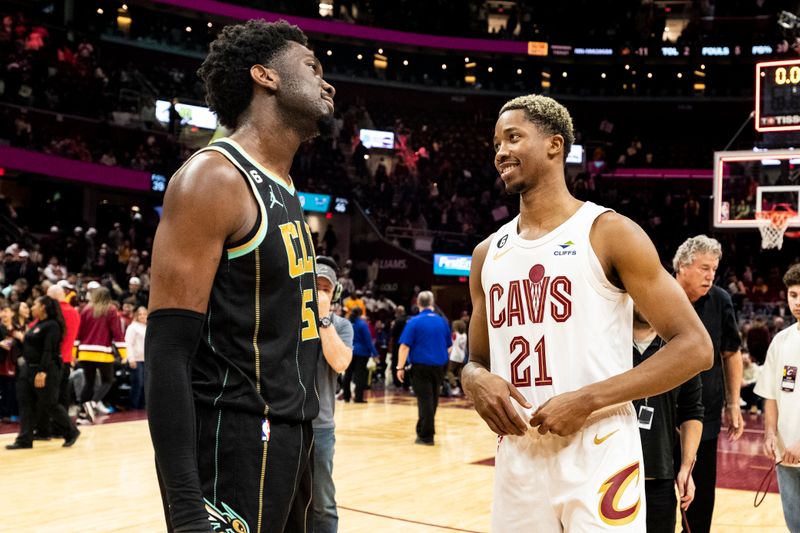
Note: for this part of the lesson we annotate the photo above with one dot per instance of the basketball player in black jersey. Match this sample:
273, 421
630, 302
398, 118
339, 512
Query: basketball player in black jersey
232, 341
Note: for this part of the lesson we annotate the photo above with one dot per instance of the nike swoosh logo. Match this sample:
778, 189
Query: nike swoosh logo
498, 255
601, 440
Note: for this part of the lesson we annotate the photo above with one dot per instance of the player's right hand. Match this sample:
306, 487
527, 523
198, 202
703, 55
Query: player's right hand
492, 395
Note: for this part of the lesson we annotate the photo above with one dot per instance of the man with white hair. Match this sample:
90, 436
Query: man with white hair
695, 264
426, 343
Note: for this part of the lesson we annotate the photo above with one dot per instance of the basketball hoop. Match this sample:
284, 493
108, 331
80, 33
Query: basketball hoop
772, 225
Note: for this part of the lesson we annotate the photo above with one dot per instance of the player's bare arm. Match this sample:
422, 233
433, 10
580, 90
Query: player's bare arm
206, 205
490, 393
630, 260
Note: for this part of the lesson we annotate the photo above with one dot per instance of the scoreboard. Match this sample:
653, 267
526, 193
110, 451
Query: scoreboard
778, 96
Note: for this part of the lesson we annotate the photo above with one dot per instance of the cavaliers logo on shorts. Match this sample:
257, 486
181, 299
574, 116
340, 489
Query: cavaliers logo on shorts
612, 490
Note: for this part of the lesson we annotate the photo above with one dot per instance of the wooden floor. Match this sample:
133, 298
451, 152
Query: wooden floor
385, 483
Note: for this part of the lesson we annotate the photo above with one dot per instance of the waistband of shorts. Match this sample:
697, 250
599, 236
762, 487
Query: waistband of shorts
623, 409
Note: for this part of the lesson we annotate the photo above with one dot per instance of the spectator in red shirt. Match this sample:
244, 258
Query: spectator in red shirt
73, 321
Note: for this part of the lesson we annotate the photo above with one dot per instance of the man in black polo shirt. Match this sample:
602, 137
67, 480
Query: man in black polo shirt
695, 264
659, 416
426, 342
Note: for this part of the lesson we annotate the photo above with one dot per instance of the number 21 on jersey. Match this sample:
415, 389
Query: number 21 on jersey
522, 378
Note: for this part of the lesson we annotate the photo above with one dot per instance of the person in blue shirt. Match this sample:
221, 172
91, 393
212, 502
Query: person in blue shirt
363, 349
425, 343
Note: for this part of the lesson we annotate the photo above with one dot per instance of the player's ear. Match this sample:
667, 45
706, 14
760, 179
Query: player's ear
265, 77
555, 146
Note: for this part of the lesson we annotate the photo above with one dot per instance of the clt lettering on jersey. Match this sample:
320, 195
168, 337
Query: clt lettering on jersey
299, 263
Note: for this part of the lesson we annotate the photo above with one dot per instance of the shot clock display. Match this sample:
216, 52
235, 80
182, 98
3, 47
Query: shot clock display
778, 96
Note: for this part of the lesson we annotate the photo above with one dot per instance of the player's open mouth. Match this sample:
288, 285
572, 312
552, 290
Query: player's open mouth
507, 168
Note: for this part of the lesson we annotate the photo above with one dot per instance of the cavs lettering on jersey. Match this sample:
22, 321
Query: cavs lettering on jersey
260, 340
556, 323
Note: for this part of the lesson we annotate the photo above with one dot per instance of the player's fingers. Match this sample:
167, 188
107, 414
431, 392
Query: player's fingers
540, 423
496, 424
492, 425
517, 395
514, 420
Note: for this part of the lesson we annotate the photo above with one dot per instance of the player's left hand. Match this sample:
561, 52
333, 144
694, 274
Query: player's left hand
685, 486
792, 454
734, 421
563, 414
39, 380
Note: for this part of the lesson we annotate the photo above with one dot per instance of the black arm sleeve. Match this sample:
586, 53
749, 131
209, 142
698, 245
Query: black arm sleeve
171, 341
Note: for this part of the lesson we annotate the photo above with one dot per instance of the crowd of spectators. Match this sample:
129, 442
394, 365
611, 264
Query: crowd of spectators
630, 22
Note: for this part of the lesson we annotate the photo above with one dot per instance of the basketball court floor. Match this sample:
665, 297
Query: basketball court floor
385, 483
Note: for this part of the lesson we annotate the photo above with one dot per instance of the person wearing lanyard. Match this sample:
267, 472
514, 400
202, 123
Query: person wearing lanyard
659, 416
426, 342
778, 386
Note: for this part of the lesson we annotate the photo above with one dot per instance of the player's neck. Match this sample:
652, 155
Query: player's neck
545, 206
272, 145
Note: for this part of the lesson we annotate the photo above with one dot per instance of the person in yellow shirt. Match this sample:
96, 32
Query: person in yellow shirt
352, 302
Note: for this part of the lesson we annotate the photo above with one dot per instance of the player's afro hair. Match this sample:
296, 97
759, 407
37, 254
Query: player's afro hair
226, 70
548, 115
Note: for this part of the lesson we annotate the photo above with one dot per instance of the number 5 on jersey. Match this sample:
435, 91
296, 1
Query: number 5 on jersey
523, 378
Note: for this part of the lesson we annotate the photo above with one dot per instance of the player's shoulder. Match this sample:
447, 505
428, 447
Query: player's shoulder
612, 225
206, 168
483, 246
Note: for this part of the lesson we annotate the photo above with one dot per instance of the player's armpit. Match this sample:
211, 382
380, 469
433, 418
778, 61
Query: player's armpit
204, 206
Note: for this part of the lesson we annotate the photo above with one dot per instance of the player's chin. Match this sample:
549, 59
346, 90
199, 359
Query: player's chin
514, 187
325, 123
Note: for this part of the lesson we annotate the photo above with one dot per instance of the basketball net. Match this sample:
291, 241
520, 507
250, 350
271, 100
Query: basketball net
772, 225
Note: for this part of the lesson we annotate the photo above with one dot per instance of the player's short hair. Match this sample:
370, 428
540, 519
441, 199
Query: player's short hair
692, 246
425, 299
548, 115
226, 69
792, 276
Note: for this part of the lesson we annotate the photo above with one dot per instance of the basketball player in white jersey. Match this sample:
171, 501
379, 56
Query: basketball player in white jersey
550, 368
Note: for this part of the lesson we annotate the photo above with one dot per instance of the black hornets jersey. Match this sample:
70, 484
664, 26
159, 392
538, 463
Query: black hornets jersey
260, 343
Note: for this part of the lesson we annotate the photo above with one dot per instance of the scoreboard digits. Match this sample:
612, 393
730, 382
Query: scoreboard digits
784, 75
778, 96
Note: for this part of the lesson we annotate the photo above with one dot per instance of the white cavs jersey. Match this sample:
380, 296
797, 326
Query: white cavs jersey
555, 322
555, 325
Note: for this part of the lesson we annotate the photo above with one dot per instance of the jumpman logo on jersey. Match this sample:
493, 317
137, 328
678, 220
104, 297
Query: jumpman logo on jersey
272, 199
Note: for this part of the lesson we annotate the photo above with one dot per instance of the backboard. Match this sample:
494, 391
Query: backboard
747, 182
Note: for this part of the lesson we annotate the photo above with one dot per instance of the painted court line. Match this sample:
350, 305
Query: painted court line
407, 520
